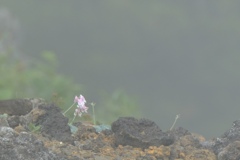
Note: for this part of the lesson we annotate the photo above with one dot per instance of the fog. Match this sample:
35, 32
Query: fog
176, 57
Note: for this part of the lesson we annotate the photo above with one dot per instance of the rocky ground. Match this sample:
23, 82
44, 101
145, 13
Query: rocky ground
41, 132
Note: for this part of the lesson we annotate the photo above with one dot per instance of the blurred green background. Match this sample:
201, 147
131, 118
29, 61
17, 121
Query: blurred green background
152, 59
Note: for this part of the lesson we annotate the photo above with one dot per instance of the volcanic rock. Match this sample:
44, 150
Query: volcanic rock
140, 133
53, 123
23, 146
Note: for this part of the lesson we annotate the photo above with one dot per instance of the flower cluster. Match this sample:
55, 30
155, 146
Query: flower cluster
81, 108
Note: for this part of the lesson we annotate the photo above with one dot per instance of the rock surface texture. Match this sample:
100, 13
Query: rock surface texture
139, 133
43, 133
23, 146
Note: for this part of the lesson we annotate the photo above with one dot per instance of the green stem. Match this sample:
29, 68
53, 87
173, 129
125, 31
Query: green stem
68, 109
73, 119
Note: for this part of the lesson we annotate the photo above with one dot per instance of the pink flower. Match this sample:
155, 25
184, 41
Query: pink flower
78, 112
81, 108
80, 100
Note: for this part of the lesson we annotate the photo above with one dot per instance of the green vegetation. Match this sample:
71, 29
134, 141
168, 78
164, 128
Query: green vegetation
39, 78
20, 79
36, 78
33, 128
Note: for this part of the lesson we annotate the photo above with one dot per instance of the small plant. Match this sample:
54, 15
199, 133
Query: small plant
33, 128
176, 118
81, 107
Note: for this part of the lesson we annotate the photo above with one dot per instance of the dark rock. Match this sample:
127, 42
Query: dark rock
23, 146
48, 116
53, 123
13, 121
140, 133
178, 132
230, 136
232, 151
234, 133
15, 106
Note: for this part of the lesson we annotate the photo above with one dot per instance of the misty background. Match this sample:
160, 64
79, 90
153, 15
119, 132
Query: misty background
174, 57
